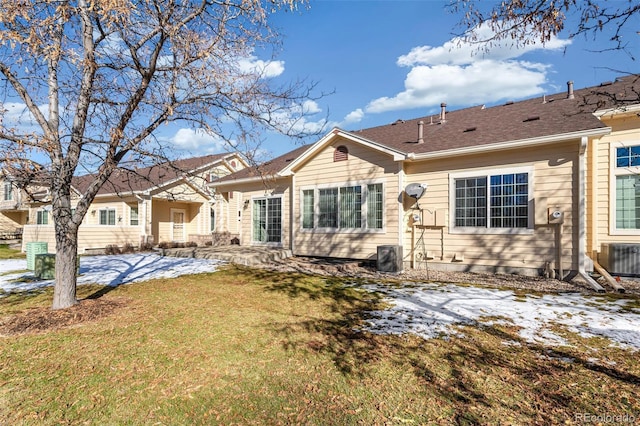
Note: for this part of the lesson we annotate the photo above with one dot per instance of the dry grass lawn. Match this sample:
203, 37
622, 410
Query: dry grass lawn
246, 346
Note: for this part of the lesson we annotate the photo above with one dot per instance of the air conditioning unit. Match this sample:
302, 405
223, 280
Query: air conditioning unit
389, 259
621, 258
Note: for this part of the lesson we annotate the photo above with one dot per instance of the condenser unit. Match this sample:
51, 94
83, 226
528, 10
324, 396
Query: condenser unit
389, 259
621, 258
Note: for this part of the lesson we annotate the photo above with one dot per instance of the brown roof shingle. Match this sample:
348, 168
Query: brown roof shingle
267, 169
531, 118
138, 180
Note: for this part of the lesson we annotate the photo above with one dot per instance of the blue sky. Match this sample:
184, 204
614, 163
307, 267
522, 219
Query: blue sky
386, 60
397, 59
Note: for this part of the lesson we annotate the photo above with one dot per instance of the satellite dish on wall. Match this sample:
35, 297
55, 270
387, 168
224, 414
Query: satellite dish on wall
415, 190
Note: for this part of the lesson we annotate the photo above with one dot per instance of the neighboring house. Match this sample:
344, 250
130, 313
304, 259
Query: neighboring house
513, 188
14, 209
166, 202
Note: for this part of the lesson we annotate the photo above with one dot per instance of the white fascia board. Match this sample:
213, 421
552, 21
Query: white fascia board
241, 181
523, 143
326, 139
184, 175
621, 110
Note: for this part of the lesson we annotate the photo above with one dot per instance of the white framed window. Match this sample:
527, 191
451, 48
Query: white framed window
212, 219
308, 203
133, 215
266, 220
492, 201
107, 216
42, 217
348, 207
625, 189
8, 191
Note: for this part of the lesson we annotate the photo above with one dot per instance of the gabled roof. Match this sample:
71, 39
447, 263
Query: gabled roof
539, 117
266, 170
149, 178
549, 118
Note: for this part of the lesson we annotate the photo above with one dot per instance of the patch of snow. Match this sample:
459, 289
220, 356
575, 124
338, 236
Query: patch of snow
10, 265
110, 270
432, 310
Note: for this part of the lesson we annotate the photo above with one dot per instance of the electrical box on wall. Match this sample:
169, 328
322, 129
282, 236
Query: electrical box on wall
556, 215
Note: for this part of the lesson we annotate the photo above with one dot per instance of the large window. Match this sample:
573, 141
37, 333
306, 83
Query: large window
133, 215
8, 191
627, 188
492, 201
108, 217
42, 217
267, 220
307, 208
351, 207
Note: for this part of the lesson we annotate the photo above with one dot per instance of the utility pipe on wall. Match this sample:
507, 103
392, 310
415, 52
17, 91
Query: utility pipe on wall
582, 219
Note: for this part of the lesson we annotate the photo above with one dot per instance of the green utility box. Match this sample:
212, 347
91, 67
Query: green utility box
45, 266
32, 250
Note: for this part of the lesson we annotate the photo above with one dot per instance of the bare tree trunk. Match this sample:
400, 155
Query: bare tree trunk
64, 295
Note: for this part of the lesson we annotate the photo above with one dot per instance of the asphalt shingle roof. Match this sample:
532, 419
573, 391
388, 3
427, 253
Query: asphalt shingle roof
266, 169
138, 180
538, 117
531, 118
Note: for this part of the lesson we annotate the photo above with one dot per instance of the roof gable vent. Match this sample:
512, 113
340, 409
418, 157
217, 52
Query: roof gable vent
341, 153
533, 118
469, 129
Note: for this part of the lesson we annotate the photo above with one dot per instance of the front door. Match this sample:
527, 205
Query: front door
177, 225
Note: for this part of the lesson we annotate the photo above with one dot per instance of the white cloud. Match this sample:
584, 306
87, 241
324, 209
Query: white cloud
17, 115
311, 107
197, 140
481, 82
354, 116
457, 51
266, 69
461, 73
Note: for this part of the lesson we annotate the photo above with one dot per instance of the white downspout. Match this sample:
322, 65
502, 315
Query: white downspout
582, 217
293, 225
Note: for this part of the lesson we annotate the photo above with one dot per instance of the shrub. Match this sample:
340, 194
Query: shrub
146, 246
191, 244
128, 248
163, 245
208, 243
112, 249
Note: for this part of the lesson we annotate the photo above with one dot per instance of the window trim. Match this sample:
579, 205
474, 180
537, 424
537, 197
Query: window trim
131, 207
282, 221
364, 229
614, 172
39, 214
9, 185
107, 209
488, 172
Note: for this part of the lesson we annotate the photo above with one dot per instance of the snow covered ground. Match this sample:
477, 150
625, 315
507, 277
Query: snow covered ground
431, 310
428, 310
108, 270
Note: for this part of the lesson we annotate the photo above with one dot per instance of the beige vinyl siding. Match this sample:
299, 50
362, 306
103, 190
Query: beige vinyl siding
624, 131
553, 169
89, 236
364, 165
242, 200
162, 219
